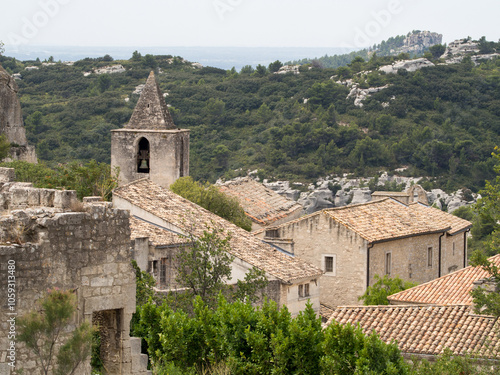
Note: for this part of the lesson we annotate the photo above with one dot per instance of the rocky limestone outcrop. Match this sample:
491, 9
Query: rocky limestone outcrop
460, 47
408, 65
11, 119
288, 69
419, 42
341, 191
113, 69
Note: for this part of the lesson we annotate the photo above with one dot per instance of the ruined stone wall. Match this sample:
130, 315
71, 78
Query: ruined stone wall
87, 252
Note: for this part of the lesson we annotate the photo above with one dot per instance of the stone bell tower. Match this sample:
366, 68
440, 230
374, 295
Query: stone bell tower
150, 145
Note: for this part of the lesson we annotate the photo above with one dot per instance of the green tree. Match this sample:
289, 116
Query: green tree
4, 146
43, 333
437, 50
204, 264
275, 66
136, 56
382, 288
211, 198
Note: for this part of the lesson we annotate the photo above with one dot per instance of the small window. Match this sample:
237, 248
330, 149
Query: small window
163, 271
328, 264
388, 263
272, 233
303, 290
453, 253
306, 290
429, 257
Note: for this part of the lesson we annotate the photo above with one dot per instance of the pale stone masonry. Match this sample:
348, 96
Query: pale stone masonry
11, 120
150, 145
354, 243
86, 251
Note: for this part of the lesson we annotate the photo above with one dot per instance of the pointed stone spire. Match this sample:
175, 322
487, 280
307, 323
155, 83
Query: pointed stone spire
151, 112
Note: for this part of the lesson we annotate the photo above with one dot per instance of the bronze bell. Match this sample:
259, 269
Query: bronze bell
144, 164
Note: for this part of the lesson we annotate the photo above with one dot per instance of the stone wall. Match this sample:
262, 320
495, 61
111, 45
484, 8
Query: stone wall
318, 236
87, 252
168, 154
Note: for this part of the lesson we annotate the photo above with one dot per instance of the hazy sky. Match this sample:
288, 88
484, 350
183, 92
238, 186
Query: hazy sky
257, 23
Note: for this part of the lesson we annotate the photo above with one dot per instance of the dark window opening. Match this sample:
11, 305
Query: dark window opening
163, 271
143, 156
181, 161
272, 233
429, 257
328, 264
303, 290
388, 263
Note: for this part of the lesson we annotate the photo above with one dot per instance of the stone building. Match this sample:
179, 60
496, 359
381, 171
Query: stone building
451, 289
352, 244
150, 145
55, 241
160, 217
11, 120
262, 205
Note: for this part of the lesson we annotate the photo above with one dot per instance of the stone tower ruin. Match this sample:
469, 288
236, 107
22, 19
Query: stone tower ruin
150, 145
11, 120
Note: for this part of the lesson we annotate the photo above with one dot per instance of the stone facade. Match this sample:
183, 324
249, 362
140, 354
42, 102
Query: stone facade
85, 251
11, 120
150, 145
350, 258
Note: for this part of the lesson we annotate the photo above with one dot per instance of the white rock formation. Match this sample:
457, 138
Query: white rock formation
409, 65
288, 69
110, 69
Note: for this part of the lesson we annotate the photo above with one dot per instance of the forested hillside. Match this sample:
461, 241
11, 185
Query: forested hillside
440, 121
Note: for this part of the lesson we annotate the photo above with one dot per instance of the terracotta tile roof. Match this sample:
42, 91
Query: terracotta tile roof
439, 217
388, 219
157, 235
263, 205
426, 329
451, 289
188, 216
325, 311
393, 193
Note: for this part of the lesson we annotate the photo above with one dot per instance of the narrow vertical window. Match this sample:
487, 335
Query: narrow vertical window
306, 290
163, 271
301, 290
388, 263
181, 159
453, 248
429, 257
143, 156
328, 264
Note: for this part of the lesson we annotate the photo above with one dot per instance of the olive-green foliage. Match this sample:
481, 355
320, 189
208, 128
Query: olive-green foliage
211, 198
42, 330
441, 121
377, 293
449, 364
4, 146
90, 179
264, 340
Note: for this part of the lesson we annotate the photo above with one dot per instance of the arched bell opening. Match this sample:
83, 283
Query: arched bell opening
143, 156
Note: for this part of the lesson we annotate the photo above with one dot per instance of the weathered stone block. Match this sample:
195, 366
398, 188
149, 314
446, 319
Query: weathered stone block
64, 198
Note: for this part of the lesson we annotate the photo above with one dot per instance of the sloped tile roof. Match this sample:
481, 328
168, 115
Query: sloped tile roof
190, 217
441, 218
451, 289
263, 205
157, 235
388, 219
426, 329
